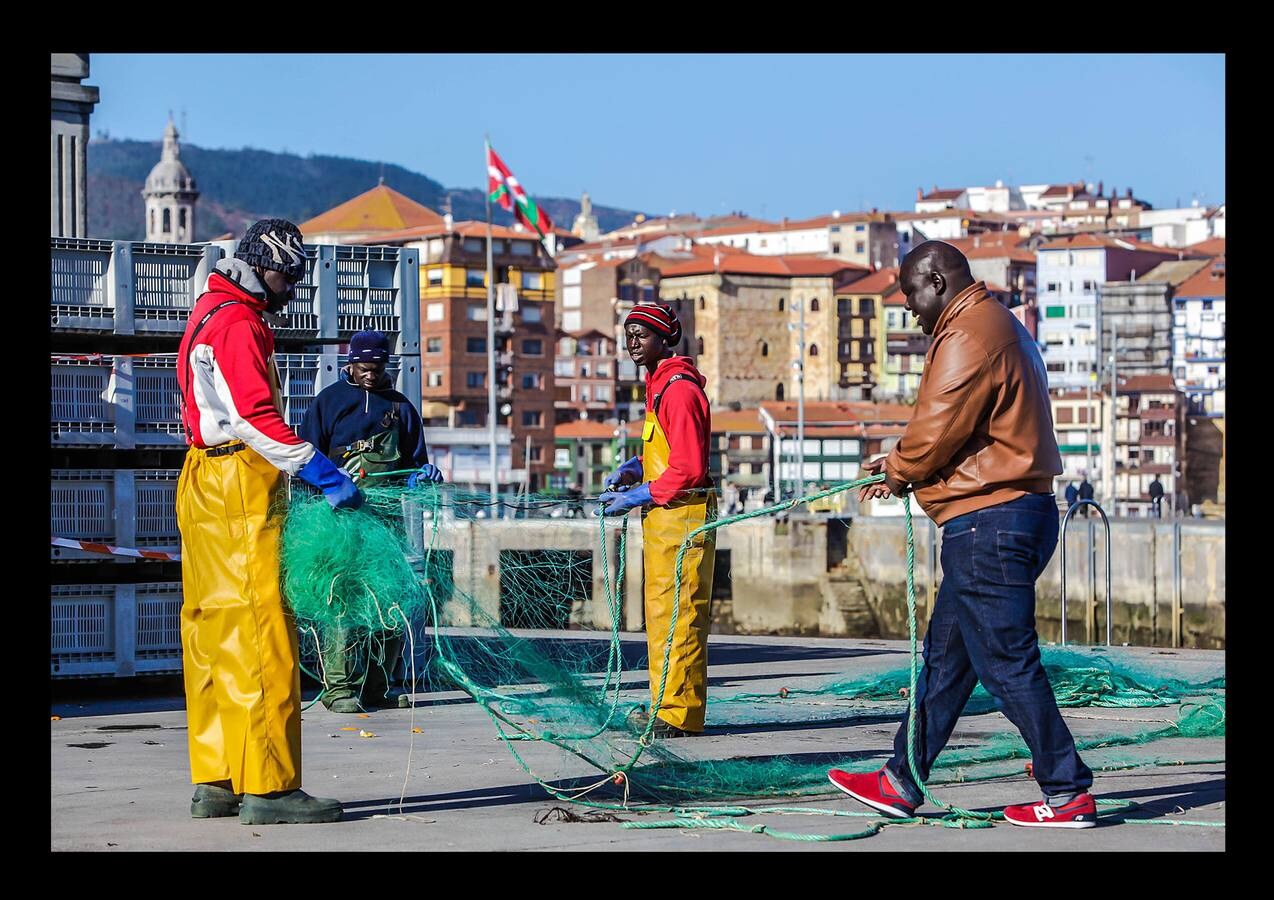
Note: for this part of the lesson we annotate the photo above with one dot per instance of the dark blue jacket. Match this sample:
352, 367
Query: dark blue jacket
343, 413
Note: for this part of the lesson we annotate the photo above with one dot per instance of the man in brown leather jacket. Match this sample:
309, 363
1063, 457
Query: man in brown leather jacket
980, 456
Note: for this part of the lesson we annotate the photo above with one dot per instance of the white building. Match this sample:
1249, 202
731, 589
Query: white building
1198, 340
1181, 227
1069, 273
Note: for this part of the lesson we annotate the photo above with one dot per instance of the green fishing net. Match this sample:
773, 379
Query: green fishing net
507, 627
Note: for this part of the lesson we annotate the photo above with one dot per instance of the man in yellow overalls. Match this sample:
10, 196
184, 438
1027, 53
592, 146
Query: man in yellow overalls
671, 478
239, 643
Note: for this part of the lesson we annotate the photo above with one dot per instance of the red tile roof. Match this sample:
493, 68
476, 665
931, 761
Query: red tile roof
841, 412
740, 420
380, 209
950, 194
1092, 239
1212, 247
881, 281
1146, 383
1207, 282
587, 430
740, 263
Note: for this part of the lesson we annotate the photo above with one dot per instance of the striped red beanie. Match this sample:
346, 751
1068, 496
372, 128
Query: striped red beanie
658, 318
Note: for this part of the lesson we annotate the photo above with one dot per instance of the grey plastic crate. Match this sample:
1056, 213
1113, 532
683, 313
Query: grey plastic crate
367, 292
82, 629
298, 377
156, 503
165, 283
158, 644
157, 401
300, 318
82, 505
80, 409
79, 297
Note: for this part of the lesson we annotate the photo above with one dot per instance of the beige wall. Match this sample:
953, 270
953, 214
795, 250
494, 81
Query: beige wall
822, 372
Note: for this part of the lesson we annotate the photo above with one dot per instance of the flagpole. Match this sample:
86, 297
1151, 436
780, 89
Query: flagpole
491, 417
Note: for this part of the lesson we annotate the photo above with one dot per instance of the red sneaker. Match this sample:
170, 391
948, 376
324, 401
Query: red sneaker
874, 789
1079, 813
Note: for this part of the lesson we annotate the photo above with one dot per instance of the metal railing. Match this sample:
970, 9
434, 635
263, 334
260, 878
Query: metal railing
1091, 553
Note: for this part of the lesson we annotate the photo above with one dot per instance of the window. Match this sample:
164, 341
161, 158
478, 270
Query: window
601, 393
1214, 370
564, 368
434, 312
475, 345
152, 220
778, 392
475, 379
865, 306
531, 381
475, 277
532, 281
1065, 415
168, 221
702, 302
433, 345
1207, 317
699, 345
1056, 367
601, 370
435, 378
765, 349
860, 246
433, 277
1207, 304
536, 452
813, 349
860, 228
532, 418
585, 394
533, 348
835, 247
583, 370
1092, 285
181, 218
1053, 287
626, 292
532, 313
647, 293
571, 321
523, 248
780, 304
1055, 312
475, 313
475, 245
562, 457
814, 305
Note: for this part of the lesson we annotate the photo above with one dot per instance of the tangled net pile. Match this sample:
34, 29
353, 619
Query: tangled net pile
560, 702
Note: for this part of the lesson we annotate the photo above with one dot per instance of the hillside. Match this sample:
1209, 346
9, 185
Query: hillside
239, 186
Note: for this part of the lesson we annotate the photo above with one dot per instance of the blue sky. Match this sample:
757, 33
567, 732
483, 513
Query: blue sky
772, 135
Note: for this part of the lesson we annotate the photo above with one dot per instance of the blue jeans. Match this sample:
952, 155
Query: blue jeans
983, 628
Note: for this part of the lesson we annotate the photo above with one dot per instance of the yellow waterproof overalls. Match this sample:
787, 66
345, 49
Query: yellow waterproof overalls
238, 641
685, 697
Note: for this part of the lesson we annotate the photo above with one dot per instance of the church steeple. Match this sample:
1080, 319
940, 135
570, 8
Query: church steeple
170, 195
585, 224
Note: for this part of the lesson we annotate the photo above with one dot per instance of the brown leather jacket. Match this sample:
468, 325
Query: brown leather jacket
982, 431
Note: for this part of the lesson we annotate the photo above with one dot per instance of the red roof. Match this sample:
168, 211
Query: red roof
587, 430
740, 420
739, 263
839, 412
1212, 247
943, 194
1091, 239
878, 282
1207, 282
1147, 383
464, 229
380, 209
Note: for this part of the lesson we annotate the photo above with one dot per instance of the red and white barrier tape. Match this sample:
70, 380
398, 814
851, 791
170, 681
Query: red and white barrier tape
93, 357
114, 551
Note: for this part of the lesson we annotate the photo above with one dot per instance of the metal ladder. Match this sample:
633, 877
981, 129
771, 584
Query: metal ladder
1091, 552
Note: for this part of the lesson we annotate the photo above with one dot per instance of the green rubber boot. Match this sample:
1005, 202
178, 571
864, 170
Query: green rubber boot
212, 801
340, 692
288, 808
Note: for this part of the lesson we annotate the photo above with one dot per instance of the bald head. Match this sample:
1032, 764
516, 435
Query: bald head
931, 275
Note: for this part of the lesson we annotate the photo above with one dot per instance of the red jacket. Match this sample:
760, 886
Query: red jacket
228, 381
686, 422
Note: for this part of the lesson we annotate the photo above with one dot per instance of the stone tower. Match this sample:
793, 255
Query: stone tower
170, 196
585, 224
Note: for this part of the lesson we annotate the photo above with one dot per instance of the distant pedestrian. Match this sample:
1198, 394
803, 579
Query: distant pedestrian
1156, 497
1181, 504
1085, 493
1072, 495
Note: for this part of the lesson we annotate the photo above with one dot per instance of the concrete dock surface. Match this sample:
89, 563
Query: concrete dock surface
120, 776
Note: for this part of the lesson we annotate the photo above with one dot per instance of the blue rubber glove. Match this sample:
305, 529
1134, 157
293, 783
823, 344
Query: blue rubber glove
620, 502
629, 472
336, 486
428, 473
